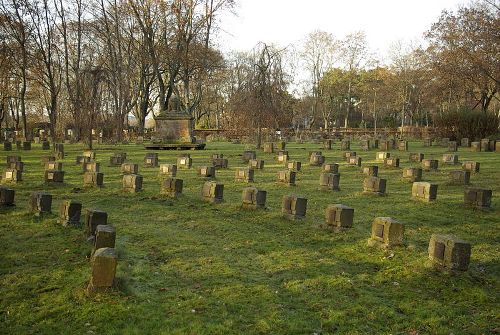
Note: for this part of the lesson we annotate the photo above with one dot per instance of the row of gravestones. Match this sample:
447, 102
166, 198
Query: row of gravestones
98, 232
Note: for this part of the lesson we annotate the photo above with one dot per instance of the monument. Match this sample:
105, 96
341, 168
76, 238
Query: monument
174, 129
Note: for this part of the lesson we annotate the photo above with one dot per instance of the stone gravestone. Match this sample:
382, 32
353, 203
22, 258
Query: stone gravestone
16, 166
269, 148
104, 263
327, 144
7, 146
412, 174
184, 162
220, 163
365, 145
477, 197
385, 145
117, 159
48, 159
248, 155
382, 155
427, 142
485, 144
345, 145
93, 179
450, 159
452, 146
253, 198
339, 217
475, 146
459, 177
355, 161
286, 177
386, 232
281, 145
294, 165
81, 160
7, 197
168, 170
329, 181
348, 154
26, 145
283, 157
93, 218
45, 145
293, 207
53, 166
316, 159
444, 142
172, 187
12, 176
331, 168
256, 164
12, 159
40, 203
424, 191
132, 183
90, 154
70, 212
416, 157
105, 237
450, 252
403, 145
371, 170
151, 159
212, 192
129, 168
391, 162
54, 176
374, 186
430, 164
91, 167
244, 175
206, 171
471, 166
465, 142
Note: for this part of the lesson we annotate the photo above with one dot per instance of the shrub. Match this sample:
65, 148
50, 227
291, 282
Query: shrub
468, 123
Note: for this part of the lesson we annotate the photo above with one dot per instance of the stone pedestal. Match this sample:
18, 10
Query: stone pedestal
175, 128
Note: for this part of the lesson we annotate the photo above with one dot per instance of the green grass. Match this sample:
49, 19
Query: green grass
187, 267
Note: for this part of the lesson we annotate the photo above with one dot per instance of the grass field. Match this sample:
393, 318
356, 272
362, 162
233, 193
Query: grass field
188, 267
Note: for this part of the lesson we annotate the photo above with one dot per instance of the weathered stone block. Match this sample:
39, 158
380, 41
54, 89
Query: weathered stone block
53, 166
444, 142
54, 176
331, 168
475, 146
282, 157
416, 157
151, 159
385, 145
93, 218
339, 216
184, 162
7, 197
256, 164
91, 167
392, 162
13, 159
12, 176
477, 197
244, 175
294, 165
471, 166
485, 144
424, 191
450, 252
40, 202
132, 183
329, 181
105, 237
90, 154
47, 159
459, 177
371, 170
206, 171
220, 163
450, 159
16, 166
7, 146
169, 170
365, 145
172, 187
412, 174
93, 179
70, 212
345, 145
81, 160
212, 192
452, 146
269, 148
355, 161
129, 168
117, 159
348, 154
248, 155
45, 145
104, 263
316, 160
386, 232
430, 164
293, 207
403, 146
465, 142
382, 155
281, 145
253, 198
374, 186
287, 177
327, 144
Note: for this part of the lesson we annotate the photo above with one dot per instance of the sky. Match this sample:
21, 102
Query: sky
285, 22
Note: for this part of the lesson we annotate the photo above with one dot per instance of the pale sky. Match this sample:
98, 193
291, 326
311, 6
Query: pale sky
285, 22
